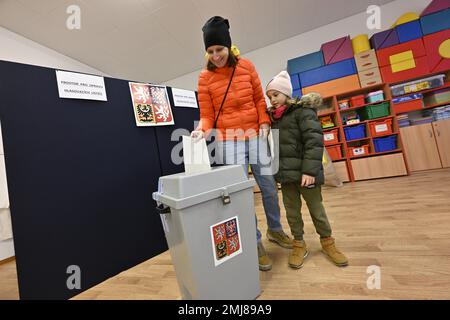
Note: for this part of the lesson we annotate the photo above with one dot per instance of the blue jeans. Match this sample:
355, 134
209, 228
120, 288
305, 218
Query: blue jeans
255, 153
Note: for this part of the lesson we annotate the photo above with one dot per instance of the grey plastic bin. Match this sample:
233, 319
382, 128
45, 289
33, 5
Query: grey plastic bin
209, 223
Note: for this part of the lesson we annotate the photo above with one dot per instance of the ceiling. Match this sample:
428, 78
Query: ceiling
159, 40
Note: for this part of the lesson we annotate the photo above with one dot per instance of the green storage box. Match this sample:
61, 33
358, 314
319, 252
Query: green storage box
376, 111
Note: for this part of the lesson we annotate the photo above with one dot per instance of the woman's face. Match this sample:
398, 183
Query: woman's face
218, 55
277, 99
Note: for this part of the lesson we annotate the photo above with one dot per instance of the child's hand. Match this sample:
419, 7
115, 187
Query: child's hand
264, 130
307, 180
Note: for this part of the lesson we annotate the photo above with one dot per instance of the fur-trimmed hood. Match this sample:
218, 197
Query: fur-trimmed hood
311, 100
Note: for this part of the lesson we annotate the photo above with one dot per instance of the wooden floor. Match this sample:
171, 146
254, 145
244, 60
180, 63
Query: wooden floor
400, 224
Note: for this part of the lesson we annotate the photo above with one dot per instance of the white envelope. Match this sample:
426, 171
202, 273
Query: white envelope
196, 157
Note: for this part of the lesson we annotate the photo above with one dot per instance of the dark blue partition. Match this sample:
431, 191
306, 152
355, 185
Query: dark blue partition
80, 177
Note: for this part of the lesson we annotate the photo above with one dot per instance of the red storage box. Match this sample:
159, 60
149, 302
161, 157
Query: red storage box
408, 106
357, 101
335, 152
331, 137
380, 128
359, 151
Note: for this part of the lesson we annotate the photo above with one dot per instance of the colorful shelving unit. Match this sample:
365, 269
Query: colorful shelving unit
415, 47
368, 149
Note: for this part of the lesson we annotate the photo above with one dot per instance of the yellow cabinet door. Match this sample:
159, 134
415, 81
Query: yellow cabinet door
442, 133
420, 147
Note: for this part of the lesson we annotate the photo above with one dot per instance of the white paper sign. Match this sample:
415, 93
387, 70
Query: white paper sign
75, 85
381, 128
184, 98
195, 155
328, 137
359, 151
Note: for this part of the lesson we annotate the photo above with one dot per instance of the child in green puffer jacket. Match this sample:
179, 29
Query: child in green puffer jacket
300, 165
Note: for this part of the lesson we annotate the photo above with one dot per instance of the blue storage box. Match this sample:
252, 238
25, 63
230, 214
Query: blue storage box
355, 132
435, 22
304, 63
327, 73
295, 81
409, 31
297, 93
385, 144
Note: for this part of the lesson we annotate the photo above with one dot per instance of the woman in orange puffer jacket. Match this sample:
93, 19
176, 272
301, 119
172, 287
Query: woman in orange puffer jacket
238, 111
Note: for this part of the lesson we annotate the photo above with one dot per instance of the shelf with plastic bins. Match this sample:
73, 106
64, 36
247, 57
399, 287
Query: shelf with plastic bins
424, 91
362, 106
418, 104
369, 142
446, 85
368, 121
373, 164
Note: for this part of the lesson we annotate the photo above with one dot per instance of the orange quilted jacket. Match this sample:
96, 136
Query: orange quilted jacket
244, 109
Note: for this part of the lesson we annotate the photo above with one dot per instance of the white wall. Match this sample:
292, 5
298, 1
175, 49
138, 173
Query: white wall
16, 48
272, 59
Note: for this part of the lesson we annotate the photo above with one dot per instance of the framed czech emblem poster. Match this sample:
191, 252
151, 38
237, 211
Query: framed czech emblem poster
151, 105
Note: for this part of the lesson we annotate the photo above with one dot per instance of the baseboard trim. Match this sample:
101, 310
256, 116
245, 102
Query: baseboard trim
8, 260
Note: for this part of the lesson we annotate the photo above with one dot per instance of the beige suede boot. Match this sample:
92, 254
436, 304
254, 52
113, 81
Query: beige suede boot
298, 254
330, 250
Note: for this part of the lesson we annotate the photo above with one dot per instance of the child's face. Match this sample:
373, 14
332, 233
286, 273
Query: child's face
277, 99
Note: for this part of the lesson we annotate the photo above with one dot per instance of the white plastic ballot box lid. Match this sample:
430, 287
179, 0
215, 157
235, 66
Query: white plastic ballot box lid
181, 190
